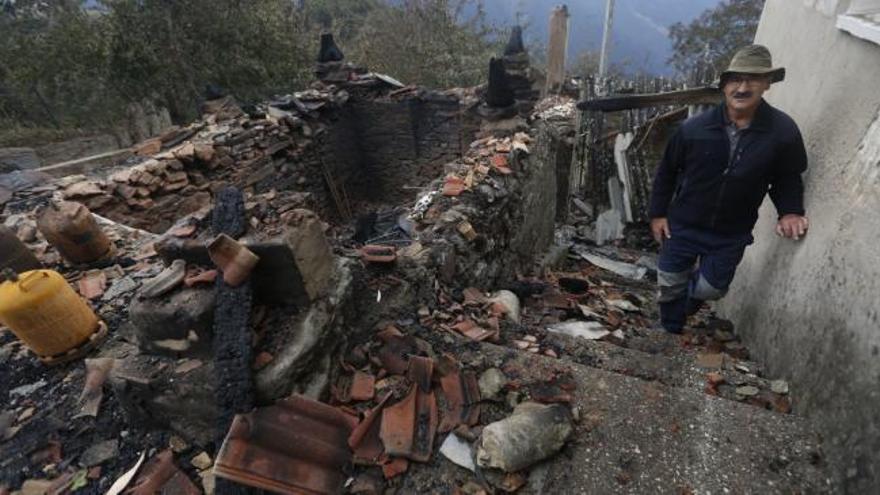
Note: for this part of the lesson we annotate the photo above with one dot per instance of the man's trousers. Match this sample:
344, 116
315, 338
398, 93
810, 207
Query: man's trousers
695, 265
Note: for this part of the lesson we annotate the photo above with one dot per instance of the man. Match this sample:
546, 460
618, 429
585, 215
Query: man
714, 175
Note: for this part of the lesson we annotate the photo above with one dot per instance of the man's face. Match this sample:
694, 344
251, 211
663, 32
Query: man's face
743, 92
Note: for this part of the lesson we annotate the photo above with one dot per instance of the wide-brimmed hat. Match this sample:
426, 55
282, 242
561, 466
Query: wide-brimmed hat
753, 59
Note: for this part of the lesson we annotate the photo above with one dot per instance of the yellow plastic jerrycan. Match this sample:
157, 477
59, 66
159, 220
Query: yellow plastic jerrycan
45, 313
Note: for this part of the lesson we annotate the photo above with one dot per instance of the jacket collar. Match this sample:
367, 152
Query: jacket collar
763, 120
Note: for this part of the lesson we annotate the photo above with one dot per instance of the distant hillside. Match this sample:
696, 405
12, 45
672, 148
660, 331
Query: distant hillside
639, 37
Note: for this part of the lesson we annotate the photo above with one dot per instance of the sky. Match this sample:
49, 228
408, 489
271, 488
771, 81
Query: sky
639, 36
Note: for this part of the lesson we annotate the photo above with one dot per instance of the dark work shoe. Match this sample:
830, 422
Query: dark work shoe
694, 306
660, 328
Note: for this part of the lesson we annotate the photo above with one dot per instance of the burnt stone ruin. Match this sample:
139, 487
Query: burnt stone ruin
518, 70
330, 68
499, 95
515, 44
329, 51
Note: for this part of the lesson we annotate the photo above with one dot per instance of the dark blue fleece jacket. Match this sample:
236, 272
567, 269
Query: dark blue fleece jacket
696, 183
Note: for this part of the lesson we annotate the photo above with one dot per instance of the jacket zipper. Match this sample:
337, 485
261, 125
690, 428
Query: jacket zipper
737, 154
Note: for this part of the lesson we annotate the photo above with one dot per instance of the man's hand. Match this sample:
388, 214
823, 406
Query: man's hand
792, 226
660, 229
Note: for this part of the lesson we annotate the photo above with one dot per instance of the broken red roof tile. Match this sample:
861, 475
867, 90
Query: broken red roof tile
395, 467
296, 446
394, 355
362, 386
92, 284
471, 330
205, 277
472, 295
408, 427
364, 439
374, 253
453, 186
161, 475
462, 394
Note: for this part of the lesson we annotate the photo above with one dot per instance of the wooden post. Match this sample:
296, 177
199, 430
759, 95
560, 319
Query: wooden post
556, 50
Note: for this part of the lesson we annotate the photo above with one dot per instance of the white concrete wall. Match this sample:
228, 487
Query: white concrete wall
810, 308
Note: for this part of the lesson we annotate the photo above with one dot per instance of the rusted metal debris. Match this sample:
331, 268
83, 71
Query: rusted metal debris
297, 446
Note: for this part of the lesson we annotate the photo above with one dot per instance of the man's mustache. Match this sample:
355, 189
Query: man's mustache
746, 94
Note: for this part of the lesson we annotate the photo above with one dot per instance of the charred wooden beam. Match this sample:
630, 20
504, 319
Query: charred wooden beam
232, 333
695, 96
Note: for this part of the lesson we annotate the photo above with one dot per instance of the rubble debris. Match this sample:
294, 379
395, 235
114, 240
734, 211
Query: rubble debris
492, 382
589, 330
97, 371
408, 427
364, 439
72, 230
202, 461
92, 284
779, 387
99, 453
161, 475
234, 260
532, 433
747, 391
123, 481
459, 452
395, 467
710, 360
178, 322
296, 446
15, 254
508, 303
623, 304
313, 260
462, 394
202, 277
169, 279
362, 386
623, 269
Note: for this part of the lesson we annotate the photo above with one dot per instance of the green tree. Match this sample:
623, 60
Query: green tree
709, 41
436, 43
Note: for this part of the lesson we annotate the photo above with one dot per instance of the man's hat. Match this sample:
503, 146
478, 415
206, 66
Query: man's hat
753, 59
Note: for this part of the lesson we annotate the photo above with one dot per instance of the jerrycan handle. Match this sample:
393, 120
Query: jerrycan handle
26, 282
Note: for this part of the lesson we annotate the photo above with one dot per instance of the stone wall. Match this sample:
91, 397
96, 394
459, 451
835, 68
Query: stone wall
809, 308
383, 149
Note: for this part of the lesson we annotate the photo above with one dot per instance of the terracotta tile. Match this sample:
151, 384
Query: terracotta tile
462, 394
408, 427
296, 446
395, 467
92, 284
364, 439
205, 277
161, 475
373, 253
453, 186
362, 386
